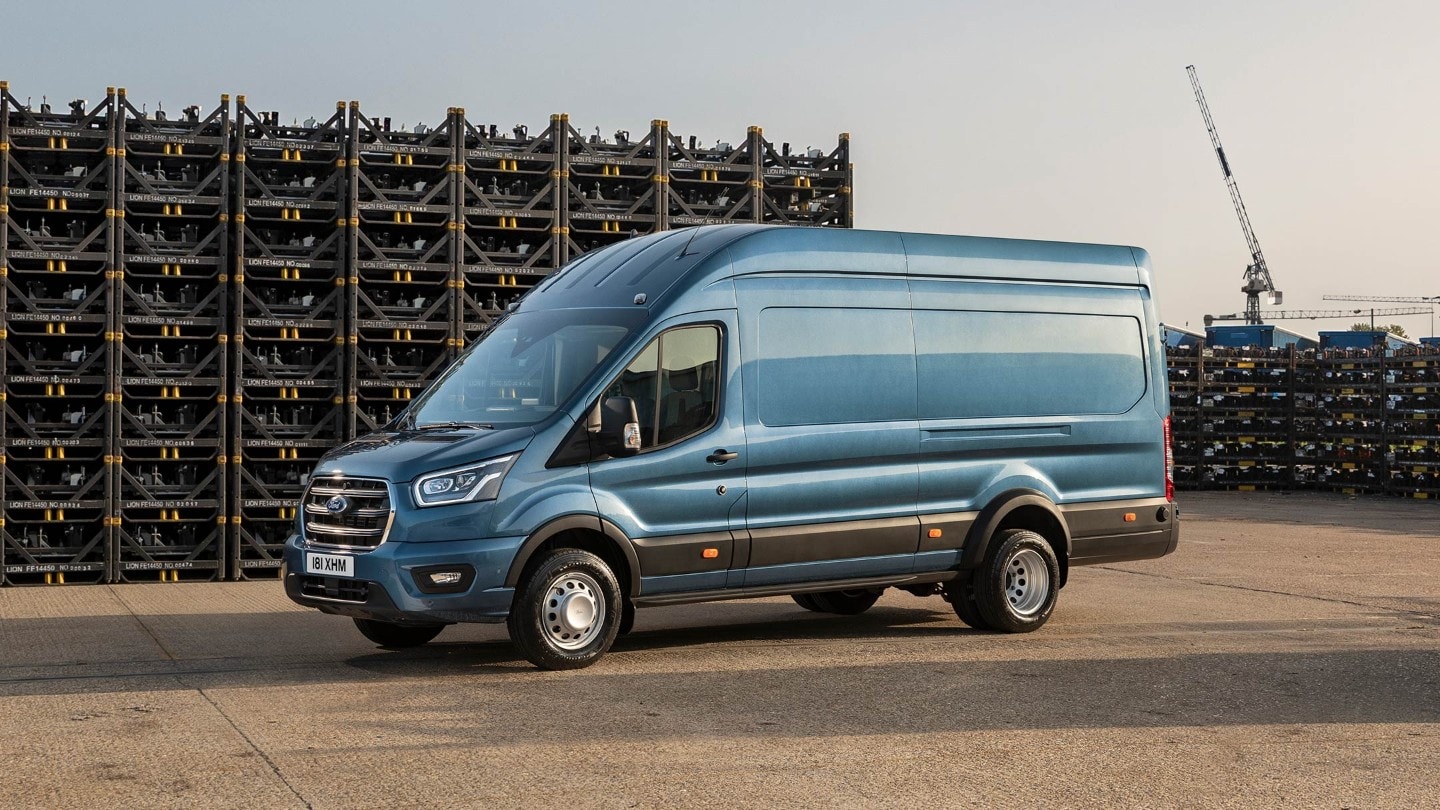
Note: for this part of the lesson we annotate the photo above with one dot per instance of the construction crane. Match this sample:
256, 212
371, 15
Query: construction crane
1392, 299
1313, 314
1257, 274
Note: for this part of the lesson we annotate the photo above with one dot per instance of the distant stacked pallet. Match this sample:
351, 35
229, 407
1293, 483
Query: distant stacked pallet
1412, 437
1349, 420
1186, 365
171, 254
1246, 418
57, 222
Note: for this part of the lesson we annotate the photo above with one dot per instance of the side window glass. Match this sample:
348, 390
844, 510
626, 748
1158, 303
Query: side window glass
673, 383
640, 381
688, 359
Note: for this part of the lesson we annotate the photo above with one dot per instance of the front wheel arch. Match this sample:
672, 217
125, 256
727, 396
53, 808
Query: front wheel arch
587, 533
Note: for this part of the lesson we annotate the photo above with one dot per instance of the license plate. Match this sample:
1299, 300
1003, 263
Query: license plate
330, 565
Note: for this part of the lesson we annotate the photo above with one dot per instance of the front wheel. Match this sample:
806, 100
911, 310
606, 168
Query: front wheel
567, 612
1016, 586
397, 636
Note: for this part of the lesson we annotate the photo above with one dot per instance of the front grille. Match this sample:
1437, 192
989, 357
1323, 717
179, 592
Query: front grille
363, 519
345, 590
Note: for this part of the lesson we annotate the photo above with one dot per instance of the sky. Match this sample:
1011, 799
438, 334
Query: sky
1069, 121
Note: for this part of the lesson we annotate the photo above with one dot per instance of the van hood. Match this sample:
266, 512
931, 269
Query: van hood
399, 456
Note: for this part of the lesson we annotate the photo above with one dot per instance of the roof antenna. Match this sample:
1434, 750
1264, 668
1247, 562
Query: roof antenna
685, 251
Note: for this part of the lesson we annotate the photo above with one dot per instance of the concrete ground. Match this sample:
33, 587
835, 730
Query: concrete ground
1287, 654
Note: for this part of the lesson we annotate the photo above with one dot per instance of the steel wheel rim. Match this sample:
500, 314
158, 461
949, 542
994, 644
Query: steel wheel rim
1027, 582
573, 610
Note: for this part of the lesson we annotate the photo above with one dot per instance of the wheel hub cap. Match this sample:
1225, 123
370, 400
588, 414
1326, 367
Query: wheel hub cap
574, 610
1027, 582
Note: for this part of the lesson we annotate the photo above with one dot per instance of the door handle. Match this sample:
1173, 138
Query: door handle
721, 456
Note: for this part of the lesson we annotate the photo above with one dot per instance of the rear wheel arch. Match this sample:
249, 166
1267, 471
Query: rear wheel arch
588, 533
1019, 509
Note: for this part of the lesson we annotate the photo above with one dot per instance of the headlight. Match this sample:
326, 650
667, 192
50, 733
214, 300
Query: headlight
477, 482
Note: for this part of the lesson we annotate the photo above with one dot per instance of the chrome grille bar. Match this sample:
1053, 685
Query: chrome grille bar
362, 519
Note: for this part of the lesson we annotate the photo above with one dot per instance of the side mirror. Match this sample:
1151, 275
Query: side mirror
615, 424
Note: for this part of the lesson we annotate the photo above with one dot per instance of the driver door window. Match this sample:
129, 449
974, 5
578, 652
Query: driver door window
674, 383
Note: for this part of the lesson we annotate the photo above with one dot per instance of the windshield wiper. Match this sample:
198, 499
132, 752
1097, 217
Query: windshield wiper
454, 425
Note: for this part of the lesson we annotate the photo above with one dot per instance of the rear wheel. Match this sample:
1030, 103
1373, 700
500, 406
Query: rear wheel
397, 636
567, 611
846, 603
960, 593
1016, 586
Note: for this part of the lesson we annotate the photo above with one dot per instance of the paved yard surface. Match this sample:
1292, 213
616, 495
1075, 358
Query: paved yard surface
1287, 654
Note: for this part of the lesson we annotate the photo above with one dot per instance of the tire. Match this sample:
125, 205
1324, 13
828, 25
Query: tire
1016, 586
846, 603
807, 601
567, 611
627, 618
960, 593
393, 636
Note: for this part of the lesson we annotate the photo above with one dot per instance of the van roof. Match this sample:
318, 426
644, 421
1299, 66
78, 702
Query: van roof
671, 262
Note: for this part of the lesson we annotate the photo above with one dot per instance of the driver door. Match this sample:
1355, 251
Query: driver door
682, 495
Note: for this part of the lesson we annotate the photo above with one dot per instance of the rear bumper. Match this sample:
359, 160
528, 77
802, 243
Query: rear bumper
1094, 541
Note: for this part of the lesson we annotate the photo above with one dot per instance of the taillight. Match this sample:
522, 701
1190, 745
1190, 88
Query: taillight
1169, 464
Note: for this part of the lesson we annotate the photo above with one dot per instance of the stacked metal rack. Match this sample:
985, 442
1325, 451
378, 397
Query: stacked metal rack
612, 190
1186, 365
57, 223
403, 249
171, 253
197, 306
288, 403
1247, 418
1349, 420
811, 188
510, 201
1412, 403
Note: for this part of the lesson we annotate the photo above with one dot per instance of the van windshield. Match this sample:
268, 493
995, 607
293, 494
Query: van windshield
524, 369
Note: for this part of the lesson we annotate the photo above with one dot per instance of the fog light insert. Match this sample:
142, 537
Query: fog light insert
452, 578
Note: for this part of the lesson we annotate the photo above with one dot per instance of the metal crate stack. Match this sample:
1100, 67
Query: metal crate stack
1412, 411
199, 304
510, 198
290, 297
713, 184
171, 255
613, 189
811, 187
1247, 418
1185, 366
1350, 420
57, 235
403, 246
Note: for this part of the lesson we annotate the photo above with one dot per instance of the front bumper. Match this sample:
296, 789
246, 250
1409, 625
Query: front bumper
384, 587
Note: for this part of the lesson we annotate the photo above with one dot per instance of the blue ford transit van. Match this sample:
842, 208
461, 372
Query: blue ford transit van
744, 410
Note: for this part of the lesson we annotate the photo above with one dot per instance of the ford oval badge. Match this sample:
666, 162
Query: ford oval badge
337, 504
